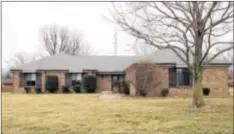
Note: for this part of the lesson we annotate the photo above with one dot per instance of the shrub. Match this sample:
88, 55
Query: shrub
77, 88
52, 84
206, 91
126, 88
38, 90
27, 89
121, 89
65, 89
164, 92
132, 89
142, 92
147, 83
90, 83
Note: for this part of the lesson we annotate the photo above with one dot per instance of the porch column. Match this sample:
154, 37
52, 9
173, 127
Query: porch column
43, 78
16, 78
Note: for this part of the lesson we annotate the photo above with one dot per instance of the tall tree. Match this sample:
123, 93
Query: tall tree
140, 48
57, 40
190, 29
18, 59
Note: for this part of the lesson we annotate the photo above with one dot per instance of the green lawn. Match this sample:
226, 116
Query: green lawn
83, 114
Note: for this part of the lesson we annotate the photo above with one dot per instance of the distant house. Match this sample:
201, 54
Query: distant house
7, 85
231, 77
110, 68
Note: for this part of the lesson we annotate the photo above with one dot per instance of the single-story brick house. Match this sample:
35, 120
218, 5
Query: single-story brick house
69, 69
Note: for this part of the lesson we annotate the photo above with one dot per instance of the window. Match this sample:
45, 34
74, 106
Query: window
121, 78
172, 77
115, 80
179, 77
76, 79
30, 79
183, 77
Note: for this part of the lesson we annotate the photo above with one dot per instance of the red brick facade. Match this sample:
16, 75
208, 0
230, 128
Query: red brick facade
103, 83
215, 78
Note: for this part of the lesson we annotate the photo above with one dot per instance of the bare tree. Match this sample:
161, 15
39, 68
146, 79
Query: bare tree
18, 59
140, 48
22, 58
115, 43
5, 74
148, 84
59, 40
190, 29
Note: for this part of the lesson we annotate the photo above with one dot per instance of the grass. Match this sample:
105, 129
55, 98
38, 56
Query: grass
86, 114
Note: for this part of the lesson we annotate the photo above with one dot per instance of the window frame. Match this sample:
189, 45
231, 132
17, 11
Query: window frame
76, 79
31, 79
76, 76
179, 77
117, 80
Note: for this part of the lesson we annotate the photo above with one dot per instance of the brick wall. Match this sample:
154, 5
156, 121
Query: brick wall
216, 78
103, 83
7, 88
7, 85
16, 78
43, 82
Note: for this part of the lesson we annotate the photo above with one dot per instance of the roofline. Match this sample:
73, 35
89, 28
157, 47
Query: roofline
64, 70
161, 64
117, 72
158, 63
220, 64
120, 72
16, 70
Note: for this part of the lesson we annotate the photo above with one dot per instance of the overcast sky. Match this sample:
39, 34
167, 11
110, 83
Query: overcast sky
21, 22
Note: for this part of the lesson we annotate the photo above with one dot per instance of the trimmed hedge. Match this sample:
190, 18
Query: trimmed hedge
77, 88
206, 91
66, 89
90, 83
164, 92
38, 90
126, 87
27, 89
52, 84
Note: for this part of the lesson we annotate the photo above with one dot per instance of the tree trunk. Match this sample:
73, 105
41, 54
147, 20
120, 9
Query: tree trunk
198, 100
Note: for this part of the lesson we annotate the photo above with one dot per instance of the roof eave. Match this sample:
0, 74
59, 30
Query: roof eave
220, 64
16, 70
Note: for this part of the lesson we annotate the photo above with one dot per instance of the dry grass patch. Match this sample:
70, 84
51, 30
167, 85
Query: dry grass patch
86, 114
